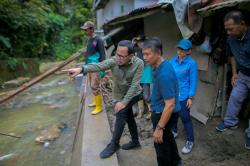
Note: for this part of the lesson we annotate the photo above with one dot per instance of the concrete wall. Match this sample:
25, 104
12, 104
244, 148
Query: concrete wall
115, 8
142, 3
99, 18
163, 25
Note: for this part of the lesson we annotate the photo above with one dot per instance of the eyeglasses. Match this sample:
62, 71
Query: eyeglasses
121, 56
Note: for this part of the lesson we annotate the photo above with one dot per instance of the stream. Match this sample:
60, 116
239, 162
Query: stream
52, 102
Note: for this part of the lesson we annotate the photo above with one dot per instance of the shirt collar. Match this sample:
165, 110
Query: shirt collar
132, 60
94, 35
156, 69
246, 35
185, 60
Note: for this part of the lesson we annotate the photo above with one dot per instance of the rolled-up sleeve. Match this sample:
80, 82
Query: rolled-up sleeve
101, 49
102, 66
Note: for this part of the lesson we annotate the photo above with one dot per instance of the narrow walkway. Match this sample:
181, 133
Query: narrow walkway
96, 135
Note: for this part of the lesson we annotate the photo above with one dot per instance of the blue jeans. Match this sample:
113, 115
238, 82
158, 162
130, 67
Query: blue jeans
184, 113
238, 95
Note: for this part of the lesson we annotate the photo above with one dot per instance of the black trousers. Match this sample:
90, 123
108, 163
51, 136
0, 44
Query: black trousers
166, 152
126, 116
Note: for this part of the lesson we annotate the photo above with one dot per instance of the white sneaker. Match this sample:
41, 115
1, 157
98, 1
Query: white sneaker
187, 147
91, 105
174, 134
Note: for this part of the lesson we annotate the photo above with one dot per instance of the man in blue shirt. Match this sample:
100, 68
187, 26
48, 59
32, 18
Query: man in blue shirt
164, 102
186, 71
238, 47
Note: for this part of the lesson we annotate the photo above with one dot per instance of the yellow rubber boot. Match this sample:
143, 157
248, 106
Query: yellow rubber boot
98, 107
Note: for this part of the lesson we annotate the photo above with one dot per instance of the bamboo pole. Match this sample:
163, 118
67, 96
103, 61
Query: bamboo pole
42, 76
9, 135
224, 100
5, 157
53, 70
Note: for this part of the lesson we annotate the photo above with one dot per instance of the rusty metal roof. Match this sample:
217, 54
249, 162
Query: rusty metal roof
205, 11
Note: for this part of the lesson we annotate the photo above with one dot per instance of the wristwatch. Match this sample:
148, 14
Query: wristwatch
159, 127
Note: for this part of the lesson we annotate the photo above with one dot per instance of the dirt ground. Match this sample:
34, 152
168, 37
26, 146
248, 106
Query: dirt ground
211, 148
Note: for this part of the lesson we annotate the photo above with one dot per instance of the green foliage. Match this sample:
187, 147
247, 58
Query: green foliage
12, 63
41, 28
5, 42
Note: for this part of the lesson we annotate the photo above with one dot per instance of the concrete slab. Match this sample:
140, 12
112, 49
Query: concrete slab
203, 102
96, 135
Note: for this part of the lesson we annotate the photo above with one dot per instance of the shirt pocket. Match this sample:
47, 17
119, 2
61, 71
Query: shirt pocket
183, 74
118, 74
129, 76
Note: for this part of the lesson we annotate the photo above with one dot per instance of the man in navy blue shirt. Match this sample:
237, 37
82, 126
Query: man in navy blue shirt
164, 102
238, 47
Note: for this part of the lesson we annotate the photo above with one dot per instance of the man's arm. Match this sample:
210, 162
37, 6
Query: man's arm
167, 84
101, 49
166, 115
167, 112
233, 64
102, 66
107, 64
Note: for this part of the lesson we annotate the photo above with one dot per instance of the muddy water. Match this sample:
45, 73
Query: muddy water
44, 105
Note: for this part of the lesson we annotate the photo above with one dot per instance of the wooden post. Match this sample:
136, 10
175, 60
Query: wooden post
9, 135
224, 106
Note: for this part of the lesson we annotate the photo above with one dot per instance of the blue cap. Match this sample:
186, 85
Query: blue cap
185, 44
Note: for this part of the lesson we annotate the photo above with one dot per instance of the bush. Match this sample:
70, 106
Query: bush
41, 28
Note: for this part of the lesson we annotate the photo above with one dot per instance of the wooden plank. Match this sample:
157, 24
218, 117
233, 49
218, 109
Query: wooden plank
9, 135
203, 101
224, 95
218, 86
198, 116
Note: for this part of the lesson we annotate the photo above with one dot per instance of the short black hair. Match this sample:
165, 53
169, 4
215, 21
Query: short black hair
235, 15
154, 43
128, 44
